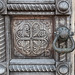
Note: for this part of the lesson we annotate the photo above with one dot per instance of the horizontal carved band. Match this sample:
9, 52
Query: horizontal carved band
30, 13
32, 68
31, 7
31, 1
32, 61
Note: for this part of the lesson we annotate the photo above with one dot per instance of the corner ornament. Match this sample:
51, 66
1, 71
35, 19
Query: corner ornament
63, 6
63, 34
62, 69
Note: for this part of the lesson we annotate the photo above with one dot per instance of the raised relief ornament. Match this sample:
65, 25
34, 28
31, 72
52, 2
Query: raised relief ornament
32, 37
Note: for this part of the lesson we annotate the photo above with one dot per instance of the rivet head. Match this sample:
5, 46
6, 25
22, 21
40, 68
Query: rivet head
2, 69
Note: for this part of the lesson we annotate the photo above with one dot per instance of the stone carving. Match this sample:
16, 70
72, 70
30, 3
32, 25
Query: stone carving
31, 37
63, 6
31, 1
2, 39
31, 7
63, 69
31, 13
1, 6
62, 55
2, 69
62, 21
32, 61
32, 68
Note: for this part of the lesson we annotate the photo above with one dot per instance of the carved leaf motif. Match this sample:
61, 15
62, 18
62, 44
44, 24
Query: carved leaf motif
31, 36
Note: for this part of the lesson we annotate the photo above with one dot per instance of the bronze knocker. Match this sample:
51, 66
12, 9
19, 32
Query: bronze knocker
63, 34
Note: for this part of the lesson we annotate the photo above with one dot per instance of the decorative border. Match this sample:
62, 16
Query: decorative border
32, 61
31, 7
31, 1
30, 13
2, 40
32, 68
32, 65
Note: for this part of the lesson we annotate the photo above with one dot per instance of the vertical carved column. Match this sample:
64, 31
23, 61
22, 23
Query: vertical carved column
2, 39
62, 56
2, 46
63, 66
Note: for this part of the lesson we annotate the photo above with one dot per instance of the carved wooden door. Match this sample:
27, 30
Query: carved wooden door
26, 36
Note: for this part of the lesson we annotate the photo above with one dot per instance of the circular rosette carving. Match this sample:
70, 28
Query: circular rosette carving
63, 6
32, 39
63, 69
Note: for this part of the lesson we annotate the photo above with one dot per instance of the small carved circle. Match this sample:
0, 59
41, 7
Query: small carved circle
63, 6
2, 69
63, 69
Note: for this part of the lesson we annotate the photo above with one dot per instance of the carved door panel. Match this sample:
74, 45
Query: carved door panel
26, 37
32, 38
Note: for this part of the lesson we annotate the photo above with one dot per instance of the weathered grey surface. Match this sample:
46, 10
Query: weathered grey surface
37, 58
32, 61
32, 73
2, 40
31, 7
32, 68
31, 1
74, 64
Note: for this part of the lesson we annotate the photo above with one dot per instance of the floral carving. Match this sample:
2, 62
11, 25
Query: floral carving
31, 37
